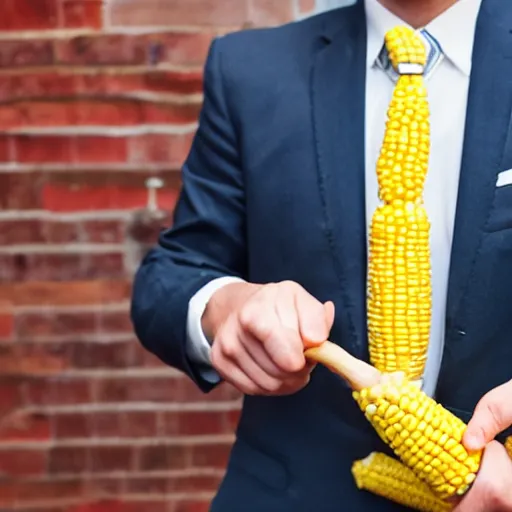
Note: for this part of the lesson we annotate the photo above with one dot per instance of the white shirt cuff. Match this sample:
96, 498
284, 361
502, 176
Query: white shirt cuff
198, 346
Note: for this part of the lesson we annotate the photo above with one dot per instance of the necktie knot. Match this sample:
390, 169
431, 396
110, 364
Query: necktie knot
406, 51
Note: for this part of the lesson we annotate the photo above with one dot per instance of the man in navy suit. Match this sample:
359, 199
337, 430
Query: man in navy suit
269, 245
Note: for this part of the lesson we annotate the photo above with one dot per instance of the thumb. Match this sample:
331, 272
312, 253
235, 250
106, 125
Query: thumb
492, 415
329, 314
329, 320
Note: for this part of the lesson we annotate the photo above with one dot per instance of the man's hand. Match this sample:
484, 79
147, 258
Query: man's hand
492, 415
492, 490
260, 332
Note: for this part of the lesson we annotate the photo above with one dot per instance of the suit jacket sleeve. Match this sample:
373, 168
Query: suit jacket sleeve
207, 239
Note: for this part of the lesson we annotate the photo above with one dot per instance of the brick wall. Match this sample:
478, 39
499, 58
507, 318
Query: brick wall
95, 97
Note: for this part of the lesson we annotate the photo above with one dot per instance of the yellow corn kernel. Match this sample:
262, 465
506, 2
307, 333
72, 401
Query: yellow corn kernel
399, 271
389, 478
508, 446
436, 455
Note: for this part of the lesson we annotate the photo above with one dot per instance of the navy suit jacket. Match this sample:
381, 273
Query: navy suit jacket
273, 189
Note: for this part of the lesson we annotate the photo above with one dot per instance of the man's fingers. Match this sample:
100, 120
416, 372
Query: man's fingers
285, 306
492, 415
256, 373
255, 349
313, 324
260, 318
491, 490
260, 349
329, 314
236, 366
231, 373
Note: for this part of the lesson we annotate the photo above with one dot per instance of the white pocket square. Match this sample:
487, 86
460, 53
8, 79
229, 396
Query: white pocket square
504, 178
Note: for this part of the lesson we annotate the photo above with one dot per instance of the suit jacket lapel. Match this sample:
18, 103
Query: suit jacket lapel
487, 125
338, 98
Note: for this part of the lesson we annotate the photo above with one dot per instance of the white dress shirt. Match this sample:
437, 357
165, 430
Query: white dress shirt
447, 95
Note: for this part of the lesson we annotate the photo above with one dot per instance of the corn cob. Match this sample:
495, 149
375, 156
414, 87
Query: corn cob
423, 434
387, 477
426, 437
399, 287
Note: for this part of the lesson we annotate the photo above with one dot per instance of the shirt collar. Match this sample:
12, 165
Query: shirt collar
457, 43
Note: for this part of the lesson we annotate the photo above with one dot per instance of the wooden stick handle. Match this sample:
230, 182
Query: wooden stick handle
357, 373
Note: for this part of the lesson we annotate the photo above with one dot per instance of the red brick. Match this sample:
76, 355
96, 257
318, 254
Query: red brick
159, 389
177, 48
111, 458
63, 459
21, 231
182, 48
62, 86
32, 490
63, 266
112, 112
158, 148
72, 425
103, 355
38, 148
233, 417
107, 265
146, 359
6, 325
158, 458
185, 12
82, 13
92, 149
194, 483
185, 82
116, 321
61, 198
20, 191
210, 455
66, 293
58, 391
10, 394
25, 52
104, 231
34, 325
149, 505
147, 485
192, 423
24, 427
39, 84
8, 271
5, 148
28, 15
125, 424
99, 487
32, 360
151, 80
62, 232
100, 49
191, 506
22, 463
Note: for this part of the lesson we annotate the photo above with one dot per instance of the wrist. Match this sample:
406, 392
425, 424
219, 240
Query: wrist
221, 305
